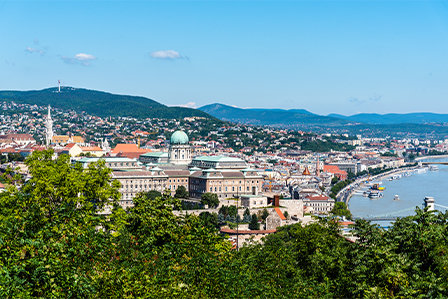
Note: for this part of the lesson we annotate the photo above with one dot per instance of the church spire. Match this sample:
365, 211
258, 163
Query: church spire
48, 128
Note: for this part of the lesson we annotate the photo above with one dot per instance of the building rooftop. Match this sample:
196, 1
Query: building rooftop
179, 137
107, 159
217, 159
155, 154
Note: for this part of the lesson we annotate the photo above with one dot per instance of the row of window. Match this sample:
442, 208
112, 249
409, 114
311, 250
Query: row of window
117, 164
126, 182
179, 180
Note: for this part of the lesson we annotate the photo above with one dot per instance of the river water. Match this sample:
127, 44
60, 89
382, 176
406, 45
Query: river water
411, 191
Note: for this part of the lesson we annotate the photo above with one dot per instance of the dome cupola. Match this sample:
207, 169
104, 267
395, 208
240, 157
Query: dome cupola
179, 137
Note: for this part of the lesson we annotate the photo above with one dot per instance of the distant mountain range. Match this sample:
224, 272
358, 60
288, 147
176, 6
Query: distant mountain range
106, 104
296, 117
99, 103
293, 117
395, 118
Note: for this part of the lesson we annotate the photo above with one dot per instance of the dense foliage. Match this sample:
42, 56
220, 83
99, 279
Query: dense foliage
181, 192
340, 209
54, 243
338, 187
210, 199
324, 146
99, 103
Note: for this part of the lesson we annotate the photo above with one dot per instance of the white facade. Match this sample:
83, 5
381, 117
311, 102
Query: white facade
179, 154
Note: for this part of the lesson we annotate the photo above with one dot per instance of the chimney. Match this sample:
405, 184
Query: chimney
276, 201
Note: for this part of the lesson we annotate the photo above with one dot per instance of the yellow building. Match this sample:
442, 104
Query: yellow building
66, 139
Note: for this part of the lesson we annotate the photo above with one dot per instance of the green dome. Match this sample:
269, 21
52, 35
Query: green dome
179, 137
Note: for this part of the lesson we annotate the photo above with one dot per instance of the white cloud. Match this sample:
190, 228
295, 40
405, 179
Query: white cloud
166, 54
187, 105
34, 50
84, 57
372, 99
80, 58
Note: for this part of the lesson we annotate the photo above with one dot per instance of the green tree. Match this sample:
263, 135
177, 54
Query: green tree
334, 180
50, 242
209, 219
152, 194
264, 214
254, 225
210, 199
181, 192
160, 253
340, 209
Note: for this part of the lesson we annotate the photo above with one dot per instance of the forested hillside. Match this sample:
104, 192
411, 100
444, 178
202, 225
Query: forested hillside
99, 103
53, 243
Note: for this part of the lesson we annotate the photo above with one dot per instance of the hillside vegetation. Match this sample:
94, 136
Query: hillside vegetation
270, 116
51, 246
99, 103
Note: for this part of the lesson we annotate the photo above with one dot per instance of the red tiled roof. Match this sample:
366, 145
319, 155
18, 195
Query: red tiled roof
346, 223
318, 197
129, 148
333, 169
306, 171
69, 146
280, 214
130, 155
20, 136
91, 148
8, 150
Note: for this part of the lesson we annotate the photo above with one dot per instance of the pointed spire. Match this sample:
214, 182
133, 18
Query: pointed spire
317, 167
48, 128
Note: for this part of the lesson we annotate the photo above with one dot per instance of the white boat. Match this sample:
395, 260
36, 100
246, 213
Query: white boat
396, 197
375, 195
395, 177
433, 167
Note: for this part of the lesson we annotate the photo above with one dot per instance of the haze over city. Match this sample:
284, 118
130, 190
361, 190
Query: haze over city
325, 56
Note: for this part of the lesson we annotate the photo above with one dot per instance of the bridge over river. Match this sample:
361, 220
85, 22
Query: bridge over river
391, 216
433, 162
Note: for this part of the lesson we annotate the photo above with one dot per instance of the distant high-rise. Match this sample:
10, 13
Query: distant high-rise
59, 85
48, 128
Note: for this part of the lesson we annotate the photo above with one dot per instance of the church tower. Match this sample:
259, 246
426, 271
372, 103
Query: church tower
180, 151
48, 128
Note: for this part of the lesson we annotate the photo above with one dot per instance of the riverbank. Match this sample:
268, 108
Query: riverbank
431, 157
345, 194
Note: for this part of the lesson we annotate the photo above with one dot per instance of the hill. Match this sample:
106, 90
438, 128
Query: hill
395, 118
293, 117
99, 103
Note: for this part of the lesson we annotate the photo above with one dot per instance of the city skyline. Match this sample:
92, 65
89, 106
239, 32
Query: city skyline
326, 56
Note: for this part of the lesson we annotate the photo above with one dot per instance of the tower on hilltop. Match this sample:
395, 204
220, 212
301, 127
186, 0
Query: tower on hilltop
48, 128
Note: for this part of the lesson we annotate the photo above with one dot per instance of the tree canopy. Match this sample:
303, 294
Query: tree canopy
210, 199
181, 192
56, 242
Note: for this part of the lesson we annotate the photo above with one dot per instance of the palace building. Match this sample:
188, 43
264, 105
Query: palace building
228, 177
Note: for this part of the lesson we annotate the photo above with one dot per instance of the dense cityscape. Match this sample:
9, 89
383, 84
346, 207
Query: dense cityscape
223, 149
241, 165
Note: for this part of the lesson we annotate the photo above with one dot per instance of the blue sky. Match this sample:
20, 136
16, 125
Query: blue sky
324, 56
